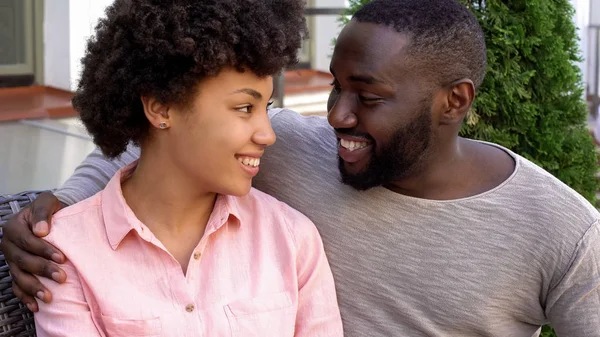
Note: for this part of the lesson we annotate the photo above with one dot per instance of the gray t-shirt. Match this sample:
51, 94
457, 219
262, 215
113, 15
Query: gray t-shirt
501, 263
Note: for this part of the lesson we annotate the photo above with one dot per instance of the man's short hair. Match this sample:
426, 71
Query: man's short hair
446, 40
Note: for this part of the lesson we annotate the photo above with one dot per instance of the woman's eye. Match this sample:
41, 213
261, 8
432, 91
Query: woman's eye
270, 103
244, 108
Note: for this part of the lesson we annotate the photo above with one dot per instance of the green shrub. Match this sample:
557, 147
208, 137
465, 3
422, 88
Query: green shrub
532, 98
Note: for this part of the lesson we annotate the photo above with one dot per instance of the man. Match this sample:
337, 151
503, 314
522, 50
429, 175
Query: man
427, 233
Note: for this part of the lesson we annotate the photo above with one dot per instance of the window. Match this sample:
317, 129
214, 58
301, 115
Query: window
20, 42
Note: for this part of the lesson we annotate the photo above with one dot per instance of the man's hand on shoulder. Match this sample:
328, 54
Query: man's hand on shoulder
28, 254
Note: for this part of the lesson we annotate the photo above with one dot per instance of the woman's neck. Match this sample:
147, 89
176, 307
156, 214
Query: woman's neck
164, 199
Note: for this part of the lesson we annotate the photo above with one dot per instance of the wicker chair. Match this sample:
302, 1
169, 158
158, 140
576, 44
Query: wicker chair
15, 319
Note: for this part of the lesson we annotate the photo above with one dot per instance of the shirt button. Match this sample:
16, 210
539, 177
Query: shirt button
189, 308
197, 255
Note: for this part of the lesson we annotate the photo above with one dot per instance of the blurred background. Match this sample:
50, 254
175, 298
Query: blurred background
42, 42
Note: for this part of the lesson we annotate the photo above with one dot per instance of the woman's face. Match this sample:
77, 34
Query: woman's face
217, 142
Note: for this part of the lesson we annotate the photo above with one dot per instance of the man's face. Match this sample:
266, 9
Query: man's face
378, 107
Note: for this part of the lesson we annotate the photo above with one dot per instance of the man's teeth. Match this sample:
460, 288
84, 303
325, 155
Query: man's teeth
249, 161
352, 145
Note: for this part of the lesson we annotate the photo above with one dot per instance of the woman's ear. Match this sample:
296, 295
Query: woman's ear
156, 112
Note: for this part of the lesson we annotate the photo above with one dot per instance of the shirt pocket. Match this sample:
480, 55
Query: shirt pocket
264, 316
119, 327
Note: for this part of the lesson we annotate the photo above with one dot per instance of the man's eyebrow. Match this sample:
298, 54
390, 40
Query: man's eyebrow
248, 91
367, 79
364, 79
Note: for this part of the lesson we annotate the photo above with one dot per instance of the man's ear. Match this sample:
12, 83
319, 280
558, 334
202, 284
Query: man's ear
156, 112
459, 99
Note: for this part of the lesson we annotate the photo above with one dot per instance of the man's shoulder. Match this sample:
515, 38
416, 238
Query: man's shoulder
532, 183
536, 178
285, 120
299, 134
538, 201
541, 195
305, 151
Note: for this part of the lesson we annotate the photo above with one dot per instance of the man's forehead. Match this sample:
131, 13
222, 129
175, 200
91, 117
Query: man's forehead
369, 50
361, 37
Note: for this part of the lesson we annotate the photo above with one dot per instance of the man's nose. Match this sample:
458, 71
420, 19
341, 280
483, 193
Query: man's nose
340, 114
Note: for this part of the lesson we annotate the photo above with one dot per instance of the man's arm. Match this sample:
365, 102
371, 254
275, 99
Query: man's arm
573, 306
26, 254
93, 174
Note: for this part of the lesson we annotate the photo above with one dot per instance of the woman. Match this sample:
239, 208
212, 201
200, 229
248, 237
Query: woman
178, 244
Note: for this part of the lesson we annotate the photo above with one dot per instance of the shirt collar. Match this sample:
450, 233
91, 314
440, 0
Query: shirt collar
119, 219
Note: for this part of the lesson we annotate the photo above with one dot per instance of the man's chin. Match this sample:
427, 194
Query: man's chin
353, 169
356, 184
357, 176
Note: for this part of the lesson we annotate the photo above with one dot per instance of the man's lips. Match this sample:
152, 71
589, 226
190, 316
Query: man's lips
353, 149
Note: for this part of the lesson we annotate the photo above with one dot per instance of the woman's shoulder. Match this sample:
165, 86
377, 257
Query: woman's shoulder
77, 224
267, 203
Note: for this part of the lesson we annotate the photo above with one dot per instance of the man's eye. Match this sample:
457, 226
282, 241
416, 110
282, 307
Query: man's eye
336, 86
368, 99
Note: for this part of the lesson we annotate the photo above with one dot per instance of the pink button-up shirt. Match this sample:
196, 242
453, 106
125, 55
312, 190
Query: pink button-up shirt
259, 270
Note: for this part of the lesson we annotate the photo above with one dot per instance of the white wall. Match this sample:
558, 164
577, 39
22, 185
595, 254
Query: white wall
83, 17
582, 19
67, 26
56, 44
324, 30
69, 23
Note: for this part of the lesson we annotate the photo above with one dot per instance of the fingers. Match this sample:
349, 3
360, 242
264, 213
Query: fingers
20, 261
18, 238
28, 254
42, 209
29, 301
29, 287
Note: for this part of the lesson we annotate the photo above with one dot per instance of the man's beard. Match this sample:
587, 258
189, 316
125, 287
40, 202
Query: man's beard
397, 160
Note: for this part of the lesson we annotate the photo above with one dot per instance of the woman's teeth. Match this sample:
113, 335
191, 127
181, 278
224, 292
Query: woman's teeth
352, 145
249, 161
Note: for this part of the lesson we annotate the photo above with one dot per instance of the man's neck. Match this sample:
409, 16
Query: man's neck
461, 169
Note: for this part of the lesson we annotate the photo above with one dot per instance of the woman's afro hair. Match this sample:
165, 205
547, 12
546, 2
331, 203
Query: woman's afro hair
163, 49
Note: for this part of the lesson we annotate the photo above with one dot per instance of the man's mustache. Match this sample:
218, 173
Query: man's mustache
354, 133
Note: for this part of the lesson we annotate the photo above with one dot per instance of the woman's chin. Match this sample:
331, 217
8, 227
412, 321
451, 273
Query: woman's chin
239, 190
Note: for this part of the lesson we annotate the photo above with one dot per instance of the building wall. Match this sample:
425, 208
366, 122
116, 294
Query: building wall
69, 23
325, 28
67, 26
57, 55
581, 20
